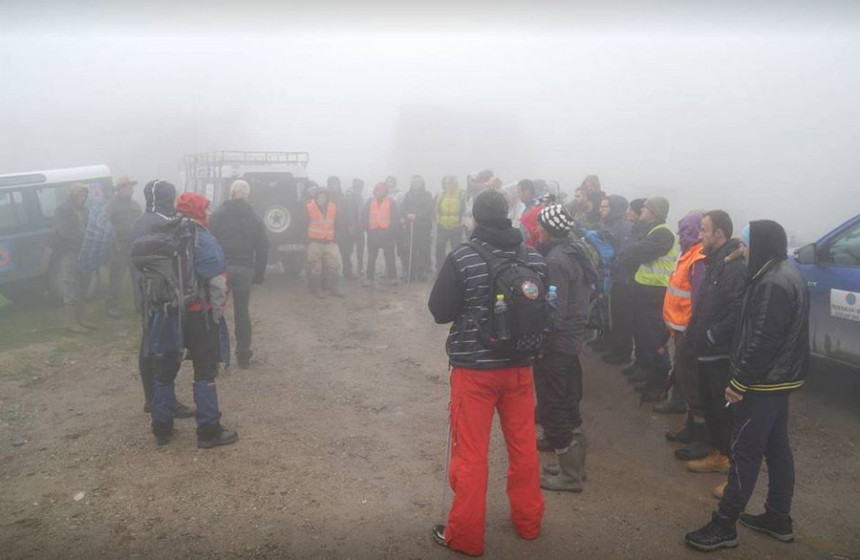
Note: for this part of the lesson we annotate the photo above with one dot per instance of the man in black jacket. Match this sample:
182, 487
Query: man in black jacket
770, 357
711, 328
653, 258
482, 382
243, 238
558, 372
417, 211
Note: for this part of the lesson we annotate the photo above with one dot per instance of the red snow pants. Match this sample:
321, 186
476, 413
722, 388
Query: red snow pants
475, 395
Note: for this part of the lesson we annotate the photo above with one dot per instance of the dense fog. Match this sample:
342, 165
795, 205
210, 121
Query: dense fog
755, 112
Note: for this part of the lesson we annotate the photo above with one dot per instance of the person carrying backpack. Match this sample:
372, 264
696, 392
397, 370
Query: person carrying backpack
184, 280
493, 289
558, 372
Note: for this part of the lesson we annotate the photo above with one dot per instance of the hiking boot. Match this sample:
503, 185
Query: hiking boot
162, 432
698, 447
629, 369
719, 490
615, 359
571, 466
715, 462
719, 533
183, 411
769, 524
223, 437
439, 535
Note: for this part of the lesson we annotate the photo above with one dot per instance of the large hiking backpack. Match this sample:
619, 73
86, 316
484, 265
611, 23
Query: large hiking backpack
525, 297
165, 263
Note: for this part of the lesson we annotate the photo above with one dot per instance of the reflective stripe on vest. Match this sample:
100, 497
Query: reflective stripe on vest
380, 214
658, 271
321, 228
678, 305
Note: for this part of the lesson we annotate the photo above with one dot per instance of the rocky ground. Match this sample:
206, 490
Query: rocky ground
342, 421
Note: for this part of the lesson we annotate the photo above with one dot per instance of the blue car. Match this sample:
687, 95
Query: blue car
831, 267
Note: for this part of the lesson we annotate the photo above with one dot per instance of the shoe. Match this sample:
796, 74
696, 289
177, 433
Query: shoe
629, 369
780, 529
571, 465
183, 411
719, 490
543, 444
114, 313
615, 359
684, 435
670, 407
162, 439
226, 437
715, 462
439, 534
719, 533
162, 431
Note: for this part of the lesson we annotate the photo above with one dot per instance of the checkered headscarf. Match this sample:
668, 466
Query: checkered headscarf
556, 220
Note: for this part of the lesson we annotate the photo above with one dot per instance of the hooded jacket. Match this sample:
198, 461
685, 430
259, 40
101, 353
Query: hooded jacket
572, 272
462, 295
716, 308
771, 344
242, 236
616, 223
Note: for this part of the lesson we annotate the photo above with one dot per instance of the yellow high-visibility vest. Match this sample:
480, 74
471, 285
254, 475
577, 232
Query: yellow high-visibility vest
658, 271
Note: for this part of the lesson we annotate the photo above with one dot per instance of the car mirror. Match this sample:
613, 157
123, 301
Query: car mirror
806, 254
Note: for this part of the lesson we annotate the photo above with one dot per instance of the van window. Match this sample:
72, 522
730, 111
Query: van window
845, 249
13, 215
50, 198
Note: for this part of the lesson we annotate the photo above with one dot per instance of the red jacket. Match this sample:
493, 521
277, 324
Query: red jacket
530, 223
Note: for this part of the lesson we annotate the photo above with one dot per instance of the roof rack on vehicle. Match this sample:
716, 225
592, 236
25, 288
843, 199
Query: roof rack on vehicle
237, 157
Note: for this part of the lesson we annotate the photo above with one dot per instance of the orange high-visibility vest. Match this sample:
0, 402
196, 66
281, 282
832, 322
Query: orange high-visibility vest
380, 214
321, 228
678, 305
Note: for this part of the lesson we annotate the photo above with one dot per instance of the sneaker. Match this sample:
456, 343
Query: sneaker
715, 462
719, 533
226, 437
439, 534
780, 529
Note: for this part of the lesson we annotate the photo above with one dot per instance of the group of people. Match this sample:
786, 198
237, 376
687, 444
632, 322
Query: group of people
719, 323
716, 322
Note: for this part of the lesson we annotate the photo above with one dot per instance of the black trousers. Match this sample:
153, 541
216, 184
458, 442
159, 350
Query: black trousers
651, 338
761, 428
422, 240
621, 310
241, 280
387, 252
713, 378
558, 384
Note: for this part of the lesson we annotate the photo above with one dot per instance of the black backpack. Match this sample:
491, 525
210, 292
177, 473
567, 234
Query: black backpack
164, 260
527, 308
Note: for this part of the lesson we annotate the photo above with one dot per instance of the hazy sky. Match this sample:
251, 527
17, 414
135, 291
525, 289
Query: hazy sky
748, 106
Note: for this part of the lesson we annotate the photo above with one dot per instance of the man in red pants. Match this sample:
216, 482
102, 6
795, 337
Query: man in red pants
482, 382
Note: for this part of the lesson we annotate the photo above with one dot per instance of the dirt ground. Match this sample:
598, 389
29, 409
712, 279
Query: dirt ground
342, 424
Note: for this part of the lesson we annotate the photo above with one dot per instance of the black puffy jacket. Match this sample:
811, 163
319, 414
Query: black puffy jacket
771, 346
462, 291
242, 235
718, 305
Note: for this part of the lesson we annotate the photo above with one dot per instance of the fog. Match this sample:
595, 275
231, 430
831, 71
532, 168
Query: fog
750, 109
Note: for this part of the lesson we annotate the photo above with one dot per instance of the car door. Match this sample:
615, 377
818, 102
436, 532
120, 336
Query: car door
834, 289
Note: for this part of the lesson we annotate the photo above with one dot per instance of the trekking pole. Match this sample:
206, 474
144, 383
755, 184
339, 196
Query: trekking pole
442, 519
409, 266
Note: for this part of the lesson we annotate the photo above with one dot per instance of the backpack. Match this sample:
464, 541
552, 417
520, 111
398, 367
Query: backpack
525, 296
165, 262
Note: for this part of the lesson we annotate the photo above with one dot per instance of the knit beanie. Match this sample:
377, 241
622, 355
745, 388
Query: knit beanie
556, 220
658, 206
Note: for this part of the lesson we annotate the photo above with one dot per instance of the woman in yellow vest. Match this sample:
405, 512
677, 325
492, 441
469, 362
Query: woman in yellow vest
323, 265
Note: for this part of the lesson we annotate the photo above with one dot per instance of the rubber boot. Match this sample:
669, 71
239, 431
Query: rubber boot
698, 448
315, 285
79, 311
73, 318
571, 463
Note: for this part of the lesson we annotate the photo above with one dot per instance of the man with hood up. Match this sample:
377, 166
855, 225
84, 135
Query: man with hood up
482, 382
159, 196
558, 372
770, 357
681, 297
199, 332
417, 209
